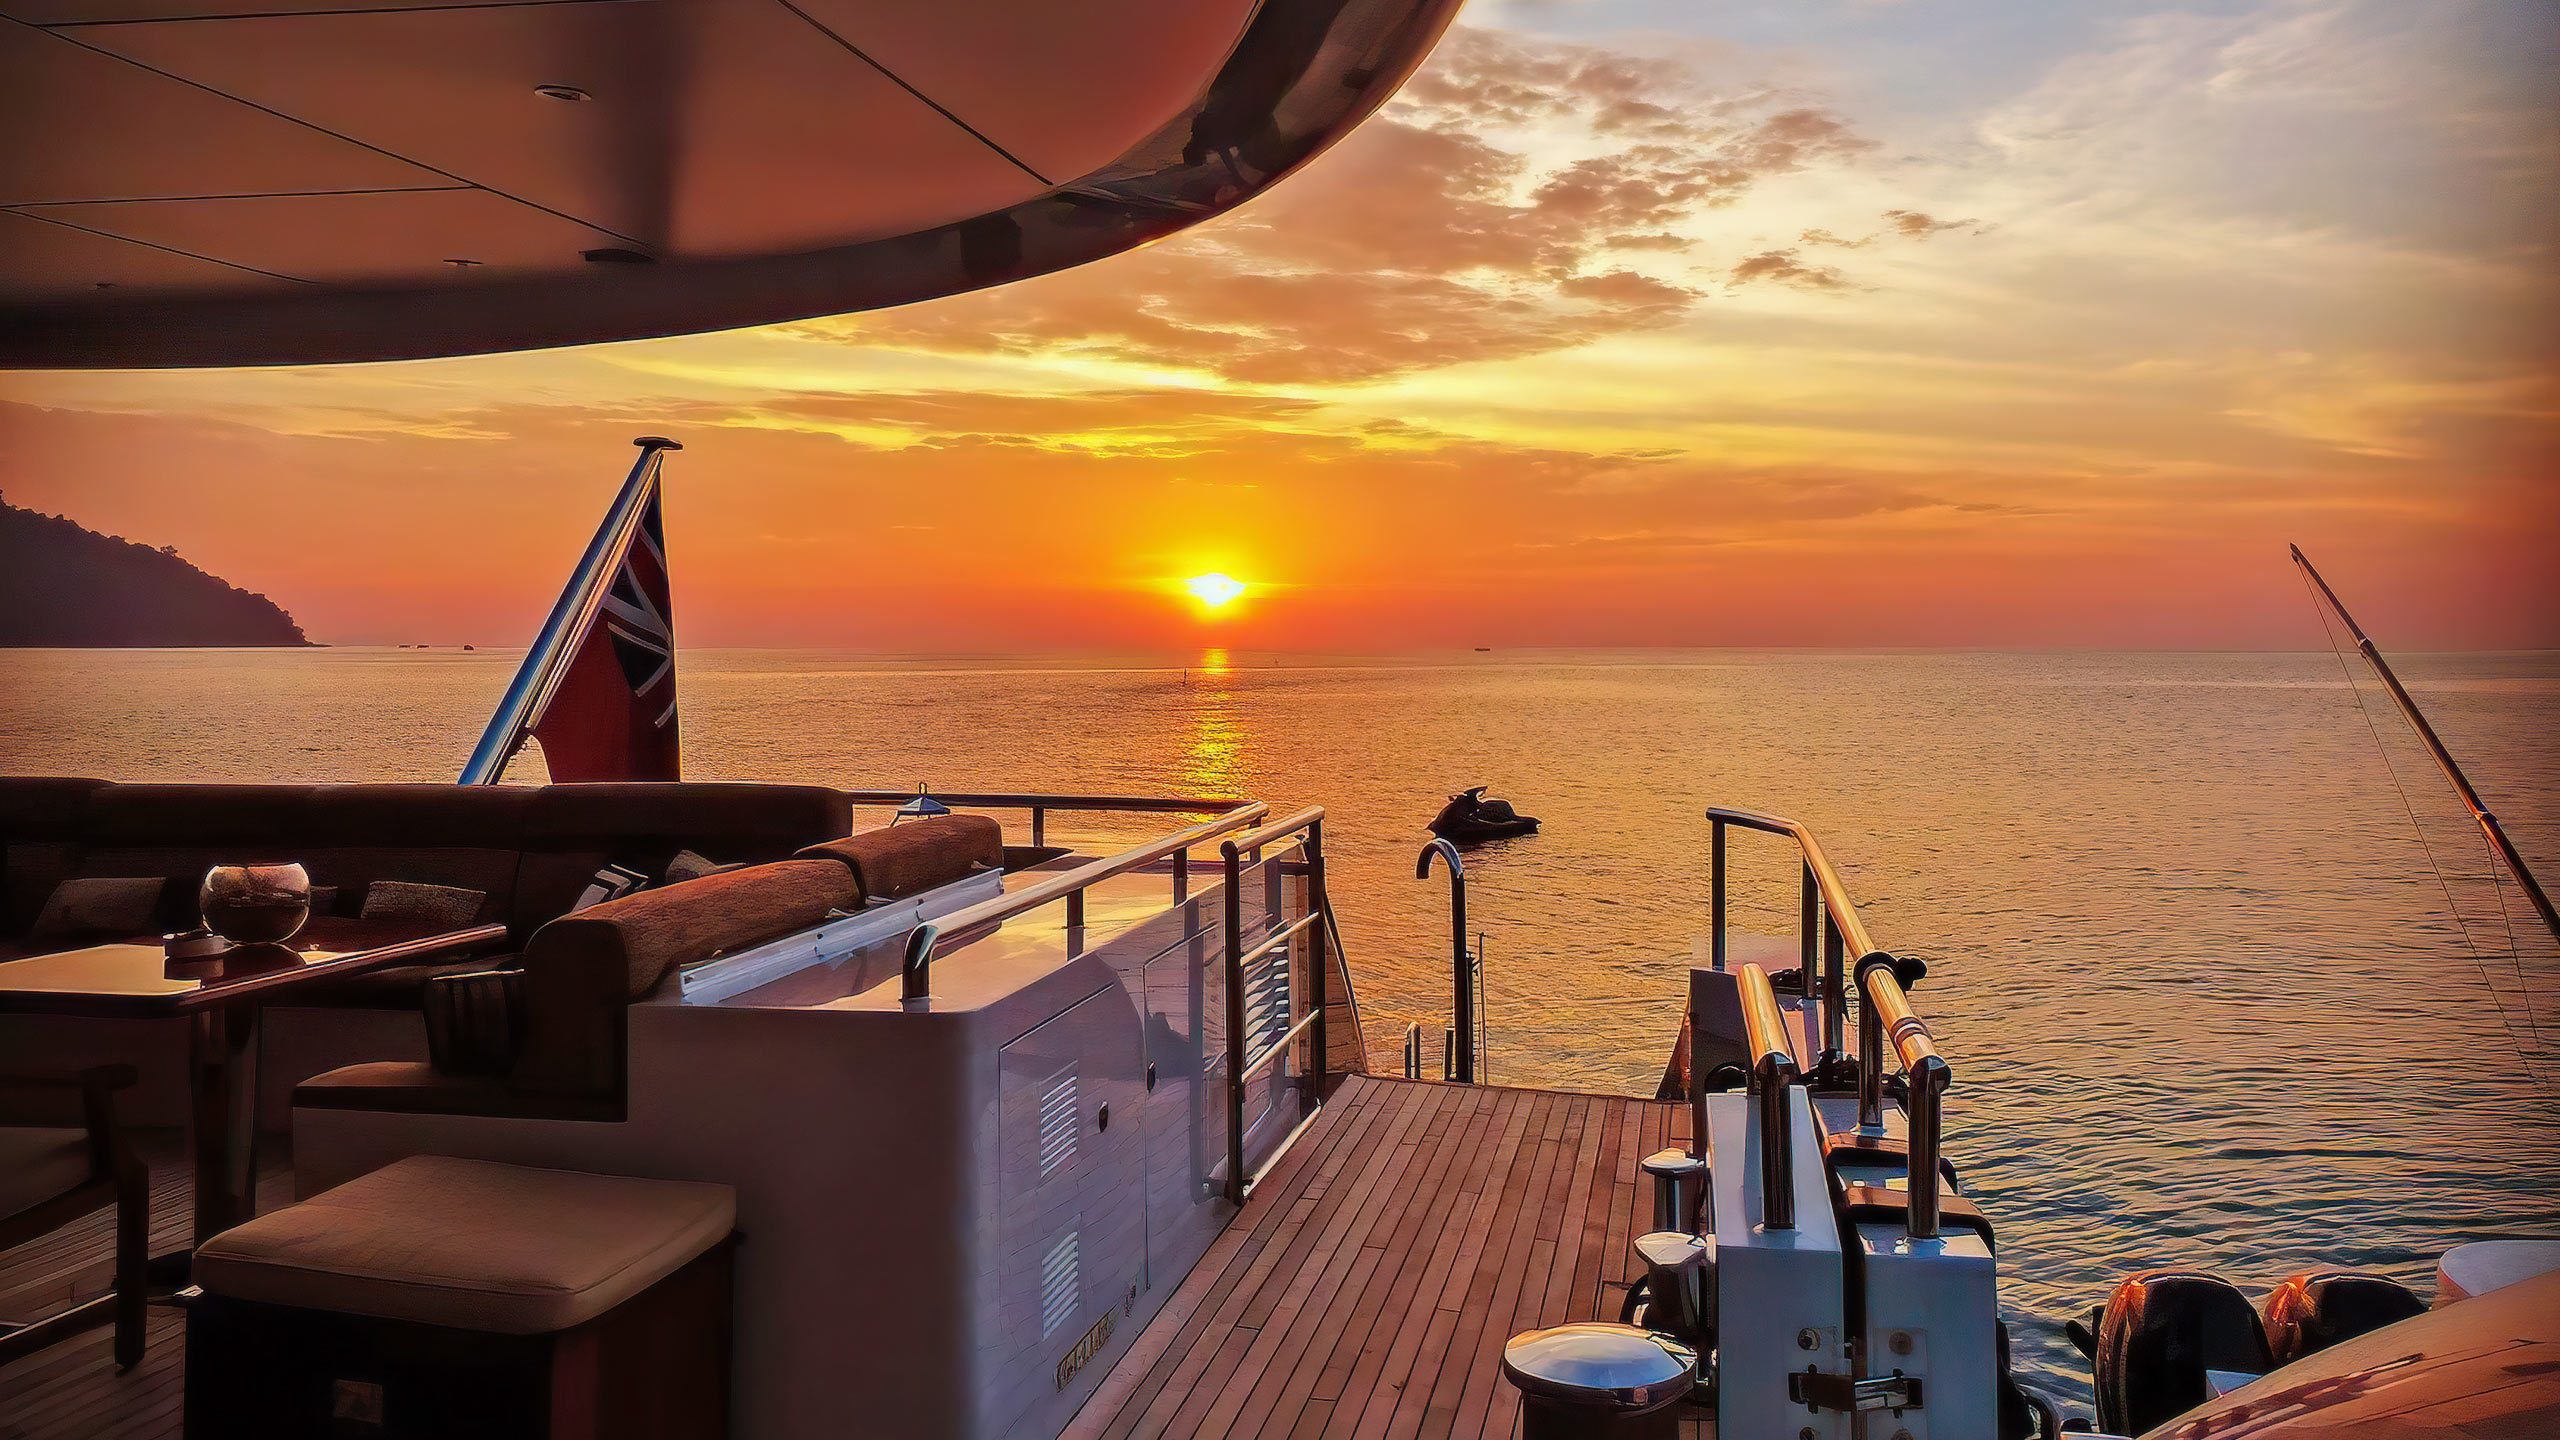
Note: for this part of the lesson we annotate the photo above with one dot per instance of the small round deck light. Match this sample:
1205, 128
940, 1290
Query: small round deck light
923, 807
569, 93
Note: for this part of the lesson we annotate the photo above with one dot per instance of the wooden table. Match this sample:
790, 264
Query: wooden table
219, 998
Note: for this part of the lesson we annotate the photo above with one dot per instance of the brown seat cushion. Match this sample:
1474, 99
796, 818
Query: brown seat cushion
471, 1244
40, 1163
896, 861
582, 971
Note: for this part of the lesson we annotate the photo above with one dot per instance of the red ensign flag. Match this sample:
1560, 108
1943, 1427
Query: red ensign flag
614, 715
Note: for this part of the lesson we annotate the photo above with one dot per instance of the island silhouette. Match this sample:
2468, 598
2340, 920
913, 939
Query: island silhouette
63, 584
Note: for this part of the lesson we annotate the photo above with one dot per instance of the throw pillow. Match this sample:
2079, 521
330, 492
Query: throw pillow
689, 866
610, 883
432, 908
101, 905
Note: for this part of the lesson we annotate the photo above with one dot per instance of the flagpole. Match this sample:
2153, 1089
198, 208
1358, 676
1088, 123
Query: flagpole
2488, 822
529, 693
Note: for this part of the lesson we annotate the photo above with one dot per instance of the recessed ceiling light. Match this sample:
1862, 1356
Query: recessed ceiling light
561, 92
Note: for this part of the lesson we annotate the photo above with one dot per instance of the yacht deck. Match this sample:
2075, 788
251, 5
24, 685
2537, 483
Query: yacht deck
1368, 1285
1364, 1291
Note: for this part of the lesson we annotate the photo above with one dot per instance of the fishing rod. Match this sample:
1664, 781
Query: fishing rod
2489, 826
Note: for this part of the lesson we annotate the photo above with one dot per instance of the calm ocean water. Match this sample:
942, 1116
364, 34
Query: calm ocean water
2196, 971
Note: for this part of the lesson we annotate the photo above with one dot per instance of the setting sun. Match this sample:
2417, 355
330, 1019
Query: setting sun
1214, 591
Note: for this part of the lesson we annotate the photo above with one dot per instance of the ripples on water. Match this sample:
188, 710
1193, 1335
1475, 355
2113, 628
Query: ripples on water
2199, 983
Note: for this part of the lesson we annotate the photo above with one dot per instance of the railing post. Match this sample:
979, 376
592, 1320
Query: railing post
1039, 826
1928, 1083
1715, 889
1698, 1149
1413, 1051
1870, 1051
1835, 992
1808, 927
1317, 963
1773, 1075
1927, 1078
1476, 1050
1462, 1065
1235, 1022
1182, 875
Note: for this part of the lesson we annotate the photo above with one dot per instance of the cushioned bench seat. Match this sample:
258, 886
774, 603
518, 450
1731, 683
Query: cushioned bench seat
470, 1244
518, 854
581, 973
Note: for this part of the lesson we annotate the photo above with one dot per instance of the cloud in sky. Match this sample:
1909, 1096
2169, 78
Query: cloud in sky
2019, 332
1518, 199
1784, 268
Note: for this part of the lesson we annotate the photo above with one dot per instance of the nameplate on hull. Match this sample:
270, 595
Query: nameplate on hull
1086, 1348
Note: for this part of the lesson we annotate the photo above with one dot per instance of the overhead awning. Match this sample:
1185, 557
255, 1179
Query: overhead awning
213, 182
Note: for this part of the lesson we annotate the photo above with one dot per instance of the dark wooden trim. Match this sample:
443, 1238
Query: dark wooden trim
284, 977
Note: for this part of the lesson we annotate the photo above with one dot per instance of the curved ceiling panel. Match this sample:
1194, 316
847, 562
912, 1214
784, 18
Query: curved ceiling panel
314, 183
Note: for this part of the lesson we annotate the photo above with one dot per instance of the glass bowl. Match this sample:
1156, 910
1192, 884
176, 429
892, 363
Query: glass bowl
256, 904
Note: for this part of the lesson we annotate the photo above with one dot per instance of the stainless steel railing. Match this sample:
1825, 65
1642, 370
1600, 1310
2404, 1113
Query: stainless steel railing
1466, 975
1885, 1016
1318, 926
1039, 805
1068, 886
915, 968
1773, 1076
1828, 933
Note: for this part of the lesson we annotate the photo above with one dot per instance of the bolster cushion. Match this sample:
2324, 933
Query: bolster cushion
582, 970
897, 861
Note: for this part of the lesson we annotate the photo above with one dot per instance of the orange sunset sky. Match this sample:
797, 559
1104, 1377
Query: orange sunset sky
1820, 322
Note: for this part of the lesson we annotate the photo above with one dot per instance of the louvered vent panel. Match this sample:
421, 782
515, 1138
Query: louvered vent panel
1058, 1285
1266, 998
1057, 1122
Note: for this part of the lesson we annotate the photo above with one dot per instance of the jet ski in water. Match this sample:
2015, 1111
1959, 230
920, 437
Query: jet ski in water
1469, 817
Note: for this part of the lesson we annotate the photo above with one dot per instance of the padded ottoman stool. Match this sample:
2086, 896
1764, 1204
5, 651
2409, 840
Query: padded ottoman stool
444, 1297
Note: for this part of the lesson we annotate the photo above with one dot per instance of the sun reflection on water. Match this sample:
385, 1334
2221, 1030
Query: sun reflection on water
1214, 762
